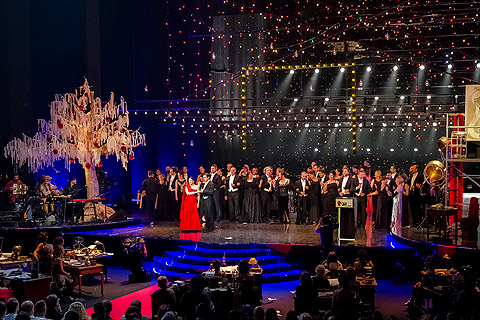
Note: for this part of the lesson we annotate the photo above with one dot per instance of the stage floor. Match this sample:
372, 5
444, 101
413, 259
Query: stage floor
420, 235
231, 233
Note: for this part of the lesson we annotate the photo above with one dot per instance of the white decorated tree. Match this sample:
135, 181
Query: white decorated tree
81, 129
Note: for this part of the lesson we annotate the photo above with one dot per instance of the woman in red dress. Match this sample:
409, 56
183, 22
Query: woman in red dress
189, 218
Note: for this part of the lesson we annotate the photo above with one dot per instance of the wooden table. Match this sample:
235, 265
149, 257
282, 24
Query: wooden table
78, 273
9, 264
26, 288
442, 213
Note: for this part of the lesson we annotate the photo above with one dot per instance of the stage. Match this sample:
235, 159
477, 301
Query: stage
231, 233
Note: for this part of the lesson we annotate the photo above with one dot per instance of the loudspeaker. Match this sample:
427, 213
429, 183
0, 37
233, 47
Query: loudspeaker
120, 215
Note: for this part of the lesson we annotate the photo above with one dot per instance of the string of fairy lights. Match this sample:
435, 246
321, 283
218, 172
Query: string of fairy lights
420, 56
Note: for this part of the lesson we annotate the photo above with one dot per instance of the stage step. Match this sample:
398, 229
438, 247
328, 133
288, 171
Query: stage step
228, 245
246, 253
192, 259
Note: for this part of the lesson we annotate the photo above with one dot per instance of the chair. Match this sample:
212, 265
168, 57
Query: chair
469, 224
5, 294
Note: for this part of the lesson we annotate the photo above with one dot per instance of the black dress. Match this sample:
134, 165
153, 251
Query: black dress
162, 201
282, 196
251, 209
313, 201
382, 215
329, 197
376, 187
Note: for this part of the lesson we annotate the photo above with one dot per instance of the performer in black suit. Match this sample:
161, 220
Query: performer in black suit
266, 193
415, 183
345, 184
233, 197
149, 190
171, 181
217, 184
73, 211
301, 188
361, 188
322, 178
207, 206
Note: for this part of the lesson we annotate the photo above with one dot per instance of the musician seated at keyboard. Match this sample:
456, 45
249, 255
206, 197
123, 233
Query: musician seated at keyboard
48, 190
74, 211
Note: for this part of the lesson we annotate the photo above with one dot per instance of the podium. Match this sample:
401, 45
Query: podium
347, 218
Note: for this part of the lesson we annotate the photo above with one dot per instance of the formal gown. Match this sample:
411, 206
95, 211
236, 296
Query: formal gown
313, 201
282, 195
163, 208
189, 218
376, 187
251, 209
382, 216
329, 197
397, 213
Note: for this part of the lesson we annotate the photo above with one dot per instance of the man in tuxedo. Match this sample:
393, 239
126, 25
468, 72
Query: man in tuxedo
302, 187
266, 193
345, 184
207, 207
233, 197
415, 183
217, 184
149, 191
361, 188
171, 178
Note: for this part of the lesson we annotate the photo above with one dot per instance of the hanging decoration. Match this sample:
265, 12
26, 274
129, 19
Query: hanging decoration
80, 128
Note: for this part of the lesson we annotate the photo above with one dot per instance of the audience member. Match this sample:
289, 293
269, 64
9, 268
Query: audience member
79, 308
133, 312
40, 310
343, 301
193, 297
202, 312
3, 310
332, 264
71, 315
22, 316
291, 315
12, 309
137, 304
353, 284
164, 309
258, 313
99, 311
305, 294
164, 294
305, 316
108, 309
54, 309
319, 281
27, 307
169, 315
271, 314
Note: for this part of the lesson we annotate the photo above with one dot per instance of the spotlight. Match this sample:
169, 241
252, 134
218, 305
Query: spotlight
429, 97
478, 65
296, 99
395, 68
317, 70
292, 71
327, 99
316, 150
384, 124
422, 67
307, 125
434, 124
415, 149
369, 69
368, 149
449, 66
342, 69
345, 149
402, 97
391, 150
336, 125
409, 124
